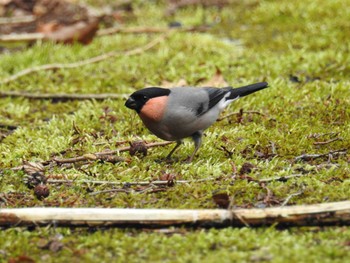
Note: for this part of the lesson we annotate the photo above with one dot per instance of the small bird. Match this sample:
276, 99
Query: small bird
177, 113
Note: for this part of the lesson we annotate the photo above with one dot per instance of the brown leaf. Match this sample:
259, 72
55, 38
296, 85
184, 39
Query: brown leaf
82, 32
21, 259
222, 200
168, 177
217, 80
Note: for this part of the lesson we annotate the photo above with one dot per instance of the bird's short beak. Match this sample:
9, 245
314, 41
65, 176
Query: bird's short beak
131, 104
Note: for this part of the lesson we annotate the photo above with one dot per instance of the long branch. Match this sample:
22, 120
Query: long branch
98, 155
92, 60
61, 96
337, 213
28, 37
142, 183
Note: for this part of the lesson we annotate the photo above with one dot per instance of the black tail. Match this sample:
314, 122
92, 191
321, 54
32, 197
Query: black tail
246, 90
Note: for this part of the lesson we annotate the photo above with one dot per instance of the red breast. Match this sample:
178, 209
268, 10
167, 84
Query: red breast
154, 109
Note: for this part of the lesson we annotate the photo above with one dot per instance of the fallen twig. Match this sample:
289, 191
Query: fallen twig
16, 20
318, 135
99, 155
273, 148
327, 142
119, 190
285, 202
280, 178
62, 96
142, 30
29, 37
267, 180
96, 59
308, 157
239, 113
337, 213
24, 37
150, 189
142, 183
268, 199
94, 156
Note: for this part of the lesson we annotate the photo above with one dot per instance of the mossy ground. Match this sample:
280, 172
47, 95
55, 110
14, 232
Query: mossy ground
276, 41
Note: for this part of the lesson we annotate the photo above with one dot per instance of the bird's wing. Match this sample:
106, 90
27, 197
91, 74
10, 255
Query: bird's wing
215, 95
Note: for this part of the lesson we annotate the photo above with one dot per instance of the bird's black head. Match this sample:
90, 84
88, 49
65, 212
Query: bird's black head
140, 97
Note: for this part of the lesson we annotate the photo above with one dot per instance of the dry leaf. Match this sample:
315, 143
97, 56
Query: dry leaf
82, 32
216, 81
222, 200
168, 177
21, 259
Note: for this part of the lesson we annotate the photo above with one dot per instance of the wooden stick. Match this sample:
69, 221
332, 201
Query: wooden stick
95, 156
279, 178
92, 60
147, 30
327, 142
62, 96
157, 182
28, 37
337, 213
16, 20
308, 157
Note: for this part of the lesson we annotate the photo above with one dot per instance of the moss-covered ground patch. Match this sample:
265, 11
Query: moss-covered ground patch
301, 48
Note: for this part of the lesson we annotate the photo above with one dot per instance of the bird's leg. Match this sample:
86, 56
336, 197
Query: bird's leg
197, 138
178, 143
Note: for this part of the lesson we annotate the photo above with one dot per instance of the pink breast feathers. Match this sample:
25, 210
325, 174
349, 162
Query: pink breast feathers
154, 109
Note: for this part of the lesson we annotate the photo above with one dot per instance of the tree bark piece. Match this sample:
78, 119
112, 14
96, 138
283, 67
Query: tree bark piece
337, 213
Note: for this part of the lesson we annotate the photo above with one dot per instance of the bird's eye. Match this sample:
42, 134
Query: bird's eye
145, 97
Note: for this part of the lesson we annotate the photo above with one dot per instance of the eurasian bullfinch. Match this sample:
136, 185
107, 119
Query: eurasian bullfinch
176, 113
